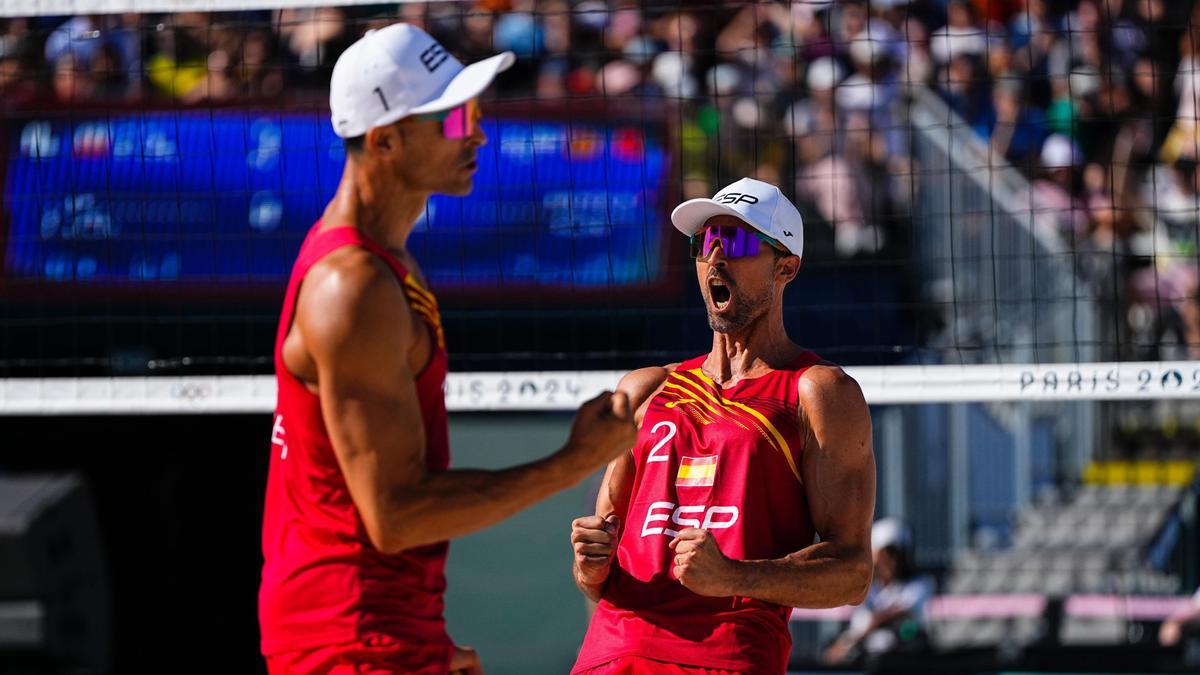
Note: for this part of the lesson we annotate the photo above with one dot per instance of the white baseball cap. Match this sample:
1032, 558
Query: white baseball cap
1059, 151
398, 71
760, 205
890, 532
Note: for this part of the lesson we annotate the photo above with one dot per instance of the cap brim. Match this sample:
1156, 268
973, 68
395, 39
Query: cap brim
690, 216
467, 84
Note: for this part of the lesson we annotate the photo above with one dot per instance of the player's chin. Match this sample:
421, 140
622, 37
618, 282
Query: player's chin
724, 320
460, 188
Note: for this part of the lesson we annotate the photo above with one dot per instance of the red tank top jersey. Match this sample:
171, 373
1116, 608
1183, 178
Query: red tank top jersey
323, 582
726, 460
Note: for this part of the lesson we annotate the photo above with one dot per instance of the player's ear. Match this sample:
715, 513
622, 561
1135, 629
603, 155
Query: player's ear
386, 139
787, 267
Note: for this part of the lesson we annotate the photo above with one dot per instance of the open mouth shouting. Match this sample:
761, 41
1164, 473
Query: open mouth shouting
719, 293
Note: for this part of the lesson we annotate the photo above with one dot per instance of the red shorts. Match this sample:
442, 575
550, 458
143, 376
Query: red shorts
374, 656
637, 665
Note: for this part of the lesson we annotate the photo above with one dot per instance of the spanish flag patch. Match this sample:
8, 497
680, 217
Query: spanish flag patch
696, 471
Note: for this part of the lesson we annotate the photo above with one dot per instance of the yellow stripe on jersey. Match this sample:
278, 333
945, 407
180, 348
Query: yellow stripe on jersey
415, 285
724, 409
713, 391
424, 304
431, 319
702, 397
722, 414
418, 295
690, 406
425, 311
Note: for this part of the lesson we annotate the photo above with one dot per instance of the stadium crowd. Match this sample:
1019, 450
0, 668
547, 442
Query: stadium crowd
1094, 100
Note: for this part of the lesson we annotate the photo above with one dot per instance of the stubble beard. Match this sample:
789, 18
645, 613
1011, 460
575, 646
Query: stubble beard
746, 311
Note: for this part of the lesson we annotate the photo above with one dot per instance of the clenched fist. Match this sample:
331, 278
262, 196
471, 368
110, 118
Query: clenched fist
603, 429
595, 542
700, 565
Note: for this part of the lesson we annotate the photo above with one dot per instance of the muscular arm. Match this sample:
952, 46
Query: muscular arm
640, 386
357, 326
612, 502
617, 485
838, 470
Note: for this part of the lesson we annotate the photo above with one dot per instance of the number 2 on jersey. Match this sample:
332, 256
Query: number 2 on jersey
655, 455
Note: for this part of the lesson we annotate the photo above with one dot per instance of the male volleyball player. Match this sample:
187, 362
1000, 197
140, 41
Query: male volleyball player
360, 502
704, 534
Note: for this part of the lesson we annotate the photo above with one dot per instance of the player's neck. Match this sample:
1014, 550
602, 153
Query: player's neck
384, 211
762, 347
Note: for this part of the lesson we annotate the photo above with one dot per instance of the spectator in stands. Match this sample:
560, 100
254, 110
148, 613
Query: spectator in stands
809, 33
679, 31
474, 40
313, 37
893, 616
180, 61
1015, 129
918, 65
1016, 70
618, 78
15, 37
78, 37
1062, 115
963, 34
1182, 623
623, 28
1032, 36
1056, 192
72, 80
965, 90
850, 20
1168, 292
1184, 137
1032, 27
825, 177
17, 88
867, 154
558, 29
255, 75
89, 37
111, 78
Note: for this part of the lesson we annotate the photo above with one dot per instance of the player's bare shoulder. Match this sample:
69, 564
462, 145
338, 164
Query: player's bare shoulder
350, 290
829, 395
643, 384
350, 303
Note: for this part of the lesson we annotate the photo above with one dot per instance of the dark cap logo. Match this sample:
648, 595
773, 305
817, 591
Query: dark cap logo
433, 57
735, 198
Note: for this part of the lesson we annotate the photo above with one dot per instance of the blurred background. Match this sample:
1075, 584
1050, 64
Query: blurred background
1001, 208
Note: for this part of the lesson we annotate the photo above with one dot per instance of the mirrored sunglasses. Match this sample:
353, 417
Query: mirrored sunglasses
735, 242
457, 122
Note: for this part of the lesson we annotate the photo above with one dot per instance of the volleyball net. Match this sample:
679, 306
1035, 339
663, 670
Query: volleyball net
980, 209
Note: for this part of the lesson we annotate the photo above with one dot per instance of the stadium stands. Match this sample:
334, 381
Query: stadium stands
1091, 100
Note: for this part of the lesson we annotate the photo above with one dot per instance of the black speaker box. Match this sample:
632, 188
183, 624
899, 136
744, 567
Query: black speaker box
54, 608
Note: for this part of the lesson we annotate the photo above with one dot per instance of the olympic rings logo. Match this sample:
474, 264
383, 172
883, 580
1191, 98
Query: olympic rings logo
191, 391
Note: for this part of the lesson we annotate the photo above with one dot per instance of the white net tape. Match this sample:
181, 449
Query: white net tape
565, 390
